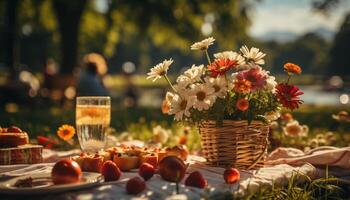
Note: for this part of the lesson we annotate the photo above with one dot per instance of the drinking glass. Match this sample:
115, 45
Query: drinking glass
93, 116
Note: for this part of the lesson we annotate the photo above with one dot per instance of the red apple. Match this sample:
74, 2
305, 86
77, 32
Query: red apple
110, 171
196, 179
14, 129
135, 185
146, 171
231, 175
172, 169
66, 171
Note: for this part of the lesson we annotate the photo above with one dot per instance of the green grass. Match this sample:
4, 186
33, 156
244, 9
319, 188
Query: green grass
138, 123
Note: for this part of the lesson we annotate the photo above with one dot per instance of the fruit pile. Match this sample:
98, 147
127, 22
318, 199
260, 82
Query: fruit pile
128, 158
170, 168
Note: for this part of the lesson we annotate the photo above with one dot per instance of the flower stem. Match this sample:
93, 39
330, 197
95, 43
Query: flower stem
208, 58
171, 85
289, 76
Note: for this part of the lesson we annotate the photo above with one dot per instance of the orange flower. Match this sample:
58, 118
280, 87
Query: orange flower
292, 68
183, 140
243, 86
66, 132
287, 117
242, 104
165, 106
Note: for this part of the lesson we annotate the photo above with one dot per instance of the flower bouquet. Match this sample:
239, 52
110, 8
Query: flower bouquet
232, 98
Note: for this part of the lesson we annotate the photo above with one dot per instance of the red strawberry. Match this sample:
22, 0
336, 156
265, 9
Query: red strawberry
196, 179
146, 171
231, 175
110, 171
135, 185
14, 129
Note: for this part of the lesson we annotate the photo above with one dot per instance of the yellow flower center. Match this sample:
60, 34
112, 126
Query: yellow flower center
183, 104
201, 95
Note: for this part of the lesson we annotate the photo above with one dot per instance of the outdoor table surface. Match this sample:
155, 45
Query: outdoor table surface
281, 165
156, 188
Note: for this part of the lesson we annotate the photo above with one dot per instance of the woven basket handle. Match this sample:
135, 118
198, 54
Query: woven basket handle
260, 156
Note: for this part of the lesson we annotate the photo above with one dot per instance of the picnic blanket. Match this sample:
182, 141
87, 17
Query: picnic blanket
281, 165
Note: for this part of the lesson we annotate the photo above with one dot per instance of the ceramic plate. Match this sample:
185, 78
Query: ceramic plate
42, 184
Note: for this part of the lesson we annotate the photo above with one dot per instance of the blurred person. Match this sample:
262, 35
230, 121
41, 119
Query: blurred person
90, 82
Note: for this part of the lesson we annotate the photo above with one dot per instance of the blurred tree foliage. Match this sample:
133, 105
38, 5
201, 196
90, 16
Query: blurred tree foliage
340, 50
339, 62
147, 31
47, 25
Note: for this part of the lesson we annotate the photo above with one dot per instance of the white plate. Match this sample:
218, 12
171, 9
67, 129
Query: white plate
89, 179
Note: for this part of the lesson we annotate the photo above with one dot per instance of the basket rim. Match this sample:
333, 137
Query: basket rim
229, 121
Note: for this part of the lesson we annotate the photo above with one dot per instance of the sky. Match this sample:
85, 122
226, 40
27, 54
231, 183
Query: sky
294, 16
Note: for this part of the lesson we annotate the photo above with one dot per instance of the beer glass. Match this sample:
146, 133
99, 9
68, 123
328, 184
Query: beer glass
93, 116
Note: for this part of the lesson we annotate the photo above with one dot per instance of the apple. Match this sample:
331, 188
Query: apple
66, 171
231, 175
146, 171
135, 185
196, 179
172, 169
110, 171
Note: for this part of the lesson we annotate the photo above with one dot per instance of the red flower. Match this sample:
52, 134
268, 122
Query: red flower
221, 66
46, 142
288, 95
242, 104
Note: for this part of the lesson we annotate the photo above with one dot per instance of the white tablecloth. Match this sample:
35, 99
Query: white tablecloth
251, 181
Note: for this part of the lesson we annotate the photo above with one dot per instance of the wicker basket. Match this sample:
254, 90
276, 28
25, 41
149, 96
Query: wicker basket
234, 144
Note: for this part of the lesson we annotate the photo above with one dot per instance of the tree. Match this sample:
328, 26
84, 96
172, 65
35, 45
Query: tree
340, 62
9, 37
68, 16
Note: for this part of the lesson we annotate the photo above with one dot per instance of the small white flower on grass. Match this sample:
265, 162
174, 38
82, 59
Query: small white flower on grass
160, 135
159, 70
232, 56
293, 129
195, 72
204, 95
180, 106
253, 55
272, 116
270, 84
219, 84
203, 45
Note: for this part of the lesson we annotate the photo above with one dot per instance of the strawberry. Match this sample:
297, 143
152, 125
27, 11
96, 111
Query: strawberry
135, 185
196, 179
14, 129
110, 171
146, 171
231, 175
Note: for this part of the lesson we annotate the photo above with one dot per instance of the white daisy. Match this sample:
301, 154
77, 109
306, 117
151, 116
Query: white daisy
253, 55
159, 70
160, 135
183, 81
204, 95
219, 84
231, 81
270, 84
203, 45
169, 96
195, 73
180, 106
231, 55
